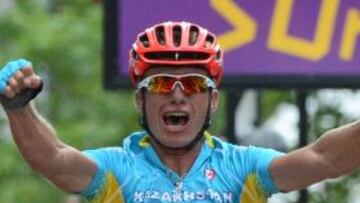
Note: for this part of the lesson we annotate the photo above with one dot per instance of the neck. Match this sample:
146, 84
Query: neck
179, 160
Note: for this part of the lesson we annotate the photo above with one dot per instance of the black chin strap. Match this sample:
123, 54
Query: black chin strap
207, 123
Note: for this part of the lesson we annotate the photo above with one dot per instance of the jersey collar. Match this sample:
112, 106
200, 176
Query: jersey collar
139, 144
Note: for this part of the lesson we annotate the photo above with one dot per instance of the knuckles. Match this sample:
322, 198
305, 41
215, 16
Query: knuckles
16, 76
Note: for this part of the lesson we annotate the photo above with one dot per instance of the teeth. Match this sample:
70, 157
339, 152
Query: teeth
176, 114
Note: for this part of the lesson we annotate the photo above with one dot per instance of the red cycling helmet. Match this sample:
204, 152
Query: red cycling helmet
176, 44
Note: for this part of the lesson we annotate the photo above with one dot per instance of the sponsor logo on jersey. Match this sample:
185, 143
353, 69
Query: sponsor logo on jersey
210, 173
183, 196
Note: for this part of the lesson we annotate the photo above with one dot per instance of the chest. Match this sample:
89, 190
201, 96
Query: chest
206, 184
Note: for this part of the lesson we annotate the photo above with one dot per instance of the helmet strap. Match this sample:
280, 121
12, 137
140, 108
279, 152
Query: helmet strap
207, 123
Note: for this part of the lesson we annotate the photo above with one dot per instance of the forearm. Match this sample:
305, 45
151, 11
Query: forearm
64, 165
339, 148
336, 153
34, 137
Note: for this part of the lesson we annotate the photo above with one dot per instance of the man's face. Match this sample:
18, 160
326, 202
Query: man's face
176, 118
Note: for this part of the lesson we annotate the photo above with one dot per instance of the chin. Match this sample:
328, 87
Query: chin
175, 143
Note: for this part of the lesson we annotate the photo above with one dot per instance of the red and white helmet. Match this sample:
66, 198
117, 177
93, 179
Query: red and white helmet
176, 44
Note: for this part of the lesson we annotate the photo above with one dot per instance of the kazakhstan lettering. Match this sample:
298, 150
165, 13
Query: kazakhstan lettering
183, 196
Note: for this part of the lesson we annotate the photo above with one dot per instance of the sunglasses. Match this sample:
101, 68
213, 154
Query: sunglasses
165, 83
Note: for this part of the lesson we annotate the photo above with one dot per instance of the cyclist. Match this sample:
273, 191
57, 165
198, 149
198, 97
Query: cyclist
176, 68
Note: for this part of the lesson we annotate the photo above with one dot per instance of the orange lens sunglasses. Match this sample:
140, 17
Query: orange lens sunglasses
165, 83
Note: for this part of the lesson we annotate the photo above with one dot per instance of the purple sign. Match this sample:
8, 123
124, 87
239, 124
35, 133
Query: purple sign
273, 38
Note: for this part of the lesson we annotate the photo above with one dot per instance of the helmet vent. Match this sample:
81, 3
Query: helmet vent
176, 56
177, 35
160, 34
194, 34
144, 40
218, 55
134, 55
209, 41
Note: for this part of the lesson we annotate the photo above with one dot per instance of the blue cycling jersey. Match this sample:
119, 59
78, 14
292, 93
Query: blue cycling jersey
222, 173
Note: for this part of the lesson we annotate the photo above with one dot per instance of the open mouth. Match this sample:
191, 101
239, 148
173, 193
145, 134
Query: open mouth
178, 119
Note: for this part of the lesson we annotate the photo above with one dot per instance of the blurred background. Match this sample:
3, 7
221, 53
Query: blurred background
63, 39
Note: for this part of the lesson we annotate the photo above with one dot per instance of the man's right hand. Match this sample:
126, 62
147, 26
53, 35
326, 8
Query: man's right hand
18, 84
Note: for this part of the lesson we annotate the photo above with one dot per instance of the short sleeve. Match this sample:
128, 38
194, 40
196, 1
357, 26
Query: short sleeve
107, 160
261, 159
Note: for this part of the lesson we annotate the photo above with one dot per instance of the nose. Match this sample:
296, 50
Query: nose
178, 94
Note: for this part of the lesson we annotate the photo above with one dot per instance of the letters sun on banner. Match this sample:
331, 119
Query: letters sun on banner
278, 43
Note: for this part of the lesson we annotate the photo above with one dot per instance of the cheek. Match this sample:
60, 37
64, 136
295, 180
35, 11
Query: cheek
152, 105
150, 111
201, 105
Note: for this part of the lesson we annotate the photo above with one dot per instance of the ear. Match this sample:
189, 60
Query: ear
138, 101
214, 103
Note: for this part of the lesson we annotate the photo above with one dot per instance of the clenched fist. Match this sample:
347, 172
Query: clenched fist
18, 84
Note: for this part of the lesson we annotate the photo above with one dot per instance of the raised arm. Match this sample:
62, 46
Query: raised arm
336, 153
62, 164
